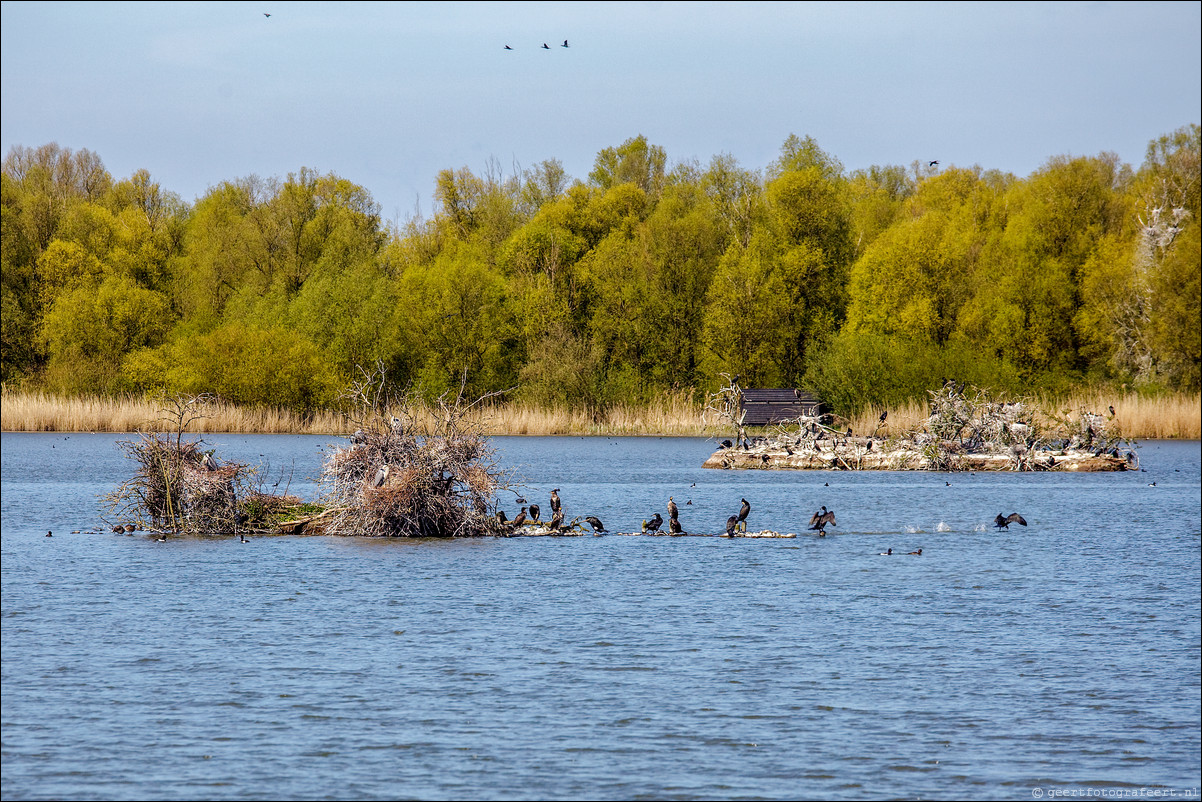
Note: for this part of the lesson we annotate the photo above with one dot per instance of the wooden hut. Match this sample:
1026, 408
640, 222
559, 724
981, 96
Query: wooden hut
763, 407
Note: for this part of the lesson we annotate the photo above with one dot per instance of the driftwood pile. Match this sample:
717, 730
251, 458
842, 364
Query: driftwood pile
965, 431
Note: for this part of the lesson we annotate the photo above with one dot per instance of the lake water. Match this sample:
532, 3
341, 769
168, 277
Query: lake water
1061, 657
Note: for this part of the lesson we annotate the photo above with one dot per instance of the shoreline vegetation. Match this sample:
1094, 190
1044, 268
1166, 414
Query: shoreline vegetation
1163, 417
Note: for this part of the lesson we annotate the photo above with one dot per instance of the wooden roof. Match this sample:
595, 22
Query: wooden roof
764, 406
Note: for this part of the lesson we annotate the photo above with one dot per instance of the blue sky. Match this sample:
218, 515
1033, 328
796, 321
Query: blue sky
387, 95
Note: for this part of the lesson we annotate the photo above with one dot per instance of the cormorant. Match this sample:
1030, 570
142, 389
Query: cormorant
674, 527
520, 518
820, 519
534, 513
556, 522
502, 518
555, 502
744, 511
595, 523
654, 524
731, 523
1012, 518
673, 510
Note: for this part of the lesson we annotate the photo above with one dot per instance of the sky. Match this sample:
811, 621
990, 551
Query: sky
388, 94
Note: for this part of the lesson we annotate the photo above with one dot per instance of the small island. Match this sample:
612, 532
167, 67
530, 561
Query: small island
967, 430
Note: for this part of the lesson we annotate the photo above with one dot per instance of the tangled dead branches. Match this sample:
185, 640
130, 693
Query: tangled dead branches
178, 487
403, 478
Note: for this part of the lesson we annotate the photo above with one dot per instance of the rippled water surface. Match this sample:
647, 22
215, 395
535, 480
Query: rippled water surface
1061, 655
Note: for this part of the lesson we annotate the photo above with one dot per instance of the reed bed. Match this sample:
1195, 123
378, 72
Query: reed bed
1160, 417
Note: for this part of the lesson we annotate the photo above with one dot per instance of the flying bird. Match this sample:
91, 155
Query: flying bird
565, 43
1012, 518
545, 46
265, 14
933, 164
507, 47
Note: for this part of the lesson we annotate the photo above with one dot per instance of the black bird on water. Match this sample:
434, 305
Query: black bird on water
595, 523
243, 539
731, 523
654, 524
744, 511
49, 533
1012, 518
534, 512
820, 519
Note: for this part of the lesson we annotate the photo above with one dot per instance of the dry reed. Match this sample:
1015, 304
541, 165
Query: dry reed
1162, 417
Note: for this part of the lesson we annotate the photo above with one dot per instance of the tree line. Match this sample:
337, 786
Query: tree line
866, 286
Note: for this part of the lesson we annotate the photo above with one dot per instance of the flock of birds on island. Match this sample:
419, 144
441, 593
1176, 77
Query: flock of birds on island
822, 518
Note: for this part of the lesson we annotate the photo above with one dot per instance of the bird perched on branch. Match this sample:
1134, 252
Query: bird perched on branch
556, 522
654, 524
731, 523
673, 510
380, 477
595, 523
820, 519
520, 518
744, 511
534, 512
674, 527
556, 504
1012, 518
502, 518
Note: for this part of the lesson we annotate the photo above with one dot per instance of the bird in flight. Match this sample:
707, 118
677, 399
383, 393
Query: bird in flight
265, 14
507, 47
933, 164
565, 43
545, 46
